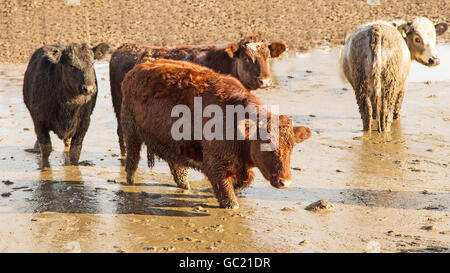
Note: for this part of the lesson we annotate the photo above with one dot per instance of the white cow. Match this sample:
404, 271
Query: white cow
376, 60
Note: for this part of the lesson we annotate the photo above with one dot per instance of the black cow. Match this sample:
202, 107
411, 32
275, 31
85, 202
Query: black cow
60, 91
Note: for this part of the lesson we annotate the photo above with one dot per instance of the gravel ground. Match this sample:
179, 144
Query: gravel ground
302, 24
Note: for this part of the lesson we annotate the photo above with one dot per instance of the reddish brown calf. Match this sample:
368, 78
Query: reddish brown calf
150, 92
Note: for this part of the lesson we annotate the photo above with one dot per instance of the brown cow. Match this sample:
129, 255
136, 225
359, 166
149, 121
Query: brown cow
153, 89
246, 60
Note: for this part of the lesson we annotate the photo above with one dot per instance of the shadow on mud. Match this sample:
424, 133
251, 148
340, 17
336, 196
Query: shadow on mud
433, 201
437, 249
78, 197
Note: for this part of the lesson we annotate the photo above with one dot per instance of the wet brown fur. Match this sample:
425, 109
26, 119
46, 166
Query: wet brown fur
222, 59
150, 91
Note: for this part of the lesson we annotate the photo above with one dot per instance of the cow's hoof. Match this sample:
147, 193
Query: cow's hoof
229, 205
130, 181
184, 186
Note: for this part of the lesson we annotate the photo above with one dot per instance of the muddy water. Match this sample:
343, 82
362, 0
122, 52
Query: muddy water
386, 190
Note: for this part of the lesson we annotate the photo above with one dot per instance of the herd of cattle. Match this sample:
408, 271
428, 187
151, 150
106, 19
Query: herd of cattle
60, 91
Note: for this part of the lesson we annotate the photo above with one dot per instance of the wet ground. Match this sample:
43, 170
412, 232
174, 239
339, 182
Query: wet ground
390, 193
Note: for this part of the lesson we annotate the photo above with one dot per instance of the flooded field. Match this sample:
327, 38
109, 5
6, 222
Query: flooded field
390, 193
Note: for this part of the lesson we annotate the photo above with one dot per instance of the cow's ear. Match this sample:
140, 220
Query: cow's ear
231, 50
441, 28
53, 54
301, 133
100, 50
246, 129
404, 29
276, 48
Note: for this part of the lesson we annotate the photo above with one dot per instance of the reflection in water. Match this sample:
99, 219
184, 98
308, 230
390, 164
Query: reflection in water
72, 195
376, 165
379, 169
67, 195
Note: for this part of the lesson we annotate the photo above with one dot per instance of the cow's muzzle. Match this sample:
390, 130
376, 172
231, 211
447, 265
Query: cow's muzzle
434, 61
87, 89
281, 183
266, 82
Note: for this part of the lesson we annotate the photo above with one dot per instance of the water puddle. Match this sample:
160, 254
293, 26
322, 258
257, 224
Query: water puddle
377, 184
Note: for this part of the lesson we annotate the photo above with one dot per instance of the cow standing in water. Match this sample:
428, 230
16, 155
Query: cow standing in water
248, 61
376, 60
60, 91
152, 90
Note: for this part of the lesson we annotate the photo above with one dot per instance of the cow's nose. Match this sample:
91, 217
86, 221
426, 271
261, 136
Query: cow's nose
87, 89
285, 184
265, 82
433, 61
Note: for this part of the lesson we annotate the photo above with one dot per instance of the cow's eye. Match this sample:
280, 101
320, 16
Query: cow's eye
417, 40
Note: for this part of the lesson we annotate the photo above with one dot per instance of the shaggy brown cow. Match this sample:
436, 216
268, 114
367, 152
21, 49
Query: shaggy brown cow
246, 60
376, 60
151, 91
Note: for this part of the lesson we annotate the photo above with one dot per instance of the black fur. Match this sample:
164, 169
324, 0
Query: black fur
60, 91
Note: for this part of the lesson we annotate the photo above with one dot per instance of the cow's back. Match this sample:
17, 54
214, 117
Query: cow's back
122, 60
152, 90
127, 56
375, 46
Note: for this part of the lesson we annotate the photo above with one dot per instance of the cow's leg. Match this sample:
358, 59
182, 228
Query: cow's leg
398, 104
150, 157
45, 145
368, 114
76, 143
123, 150
75, 151
243, 180
386, 113
179, 174
66, 151
67, 144
392, 105
221, 183
376, 108
224, 192
365, 109
133, 144
116, 96
390, 114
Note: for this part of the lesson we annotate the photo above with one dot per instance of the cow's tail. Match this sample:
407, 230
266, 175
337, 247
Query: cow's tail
378, 104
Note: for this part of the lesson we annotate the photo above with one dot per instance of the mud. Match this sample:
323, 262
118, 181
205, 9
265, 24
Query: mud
385, 189
303, 24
